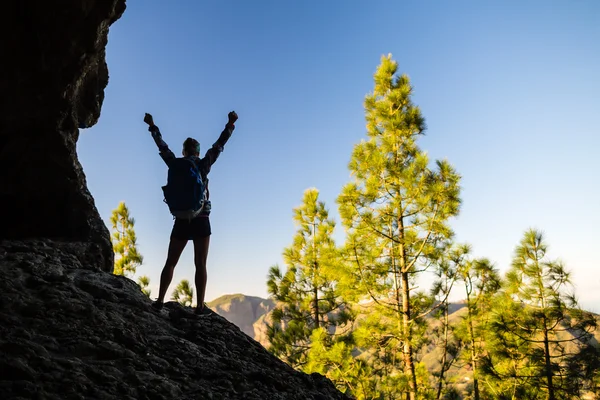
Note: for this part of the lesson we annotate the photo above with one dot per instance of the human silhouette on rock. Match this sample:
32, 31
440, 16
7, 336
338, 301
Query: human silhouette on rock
187, 196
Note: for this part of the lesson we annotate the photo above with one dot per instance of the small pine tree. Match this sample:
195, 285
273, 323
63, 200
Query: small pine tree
144, 282
443, 335
481, 282
127, 256
541, 320
333, 357
183, 293
306, 294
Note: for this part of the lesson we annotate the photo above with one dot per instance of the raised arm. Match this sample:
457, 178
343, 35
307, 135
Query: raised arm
213, 153
164, 151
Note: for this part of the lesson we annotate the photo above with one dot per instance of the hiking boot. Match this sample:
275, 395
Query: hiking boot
202, 310
157, 305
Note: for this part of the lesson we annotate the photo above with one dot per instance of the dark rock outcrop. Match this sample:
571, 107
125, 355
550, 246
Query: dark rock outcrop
68, 331
52, 79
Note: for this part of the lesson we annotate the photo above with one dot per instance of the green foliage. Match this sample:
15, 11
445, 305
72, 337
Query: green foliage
481, 282
127, 256
355, 315
332, 357
539, 326
443, 335
144, 282
183, 293
305, 294
396, 211
584, 368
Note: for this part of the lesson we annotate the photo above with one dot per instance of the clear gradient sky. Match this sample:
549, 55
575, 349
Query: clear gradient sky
510, 91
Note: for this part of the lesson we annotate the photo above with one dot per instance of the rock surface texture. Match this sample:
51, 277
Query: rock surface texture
52, 79
71, 332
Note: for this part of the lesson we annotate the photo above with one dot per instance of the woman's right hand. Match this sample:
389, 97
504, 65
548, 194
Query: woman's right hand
148, 119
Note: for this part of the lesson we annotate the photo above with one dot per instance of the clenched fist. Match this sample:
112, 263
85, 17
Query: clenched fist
148, 119
232, 117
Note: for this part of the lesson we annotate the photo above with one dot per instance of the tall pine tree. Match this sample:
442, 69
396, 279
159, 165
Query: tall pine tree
127, 256
305, 294
397, 211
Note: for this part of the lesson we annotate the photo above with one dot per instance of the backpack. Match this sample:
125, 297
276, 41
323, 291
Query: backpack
185, 191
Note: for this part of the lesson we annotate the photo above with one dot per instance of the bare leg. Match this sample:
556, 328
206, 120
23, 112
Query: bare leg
200, 256
176, 247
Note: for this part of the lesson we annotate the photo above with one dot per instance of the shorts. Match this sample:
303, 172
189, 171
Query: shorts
191, 229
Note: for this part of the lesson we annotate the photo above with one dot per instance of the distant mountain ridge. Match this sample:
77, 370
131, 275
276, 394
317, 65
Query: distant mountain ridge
246, 312
251, 314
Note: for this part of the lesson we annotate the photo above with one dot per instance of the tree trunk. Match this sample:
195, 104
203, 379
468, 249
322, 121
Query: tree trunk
407, 350
548, 364
315, 288
409, 366
473, 350
444, 354
316, 305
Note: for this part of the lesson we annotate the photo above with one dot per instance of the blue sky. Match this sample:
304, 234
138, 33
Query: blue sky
509, 89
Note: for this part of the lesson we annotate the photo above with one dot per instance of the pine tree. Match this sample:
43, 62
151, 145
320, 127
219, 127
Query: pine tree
396, 212
332, 356
542, 320
144, 282
443, 335
305, 294
481, 282
127, 256
183, 293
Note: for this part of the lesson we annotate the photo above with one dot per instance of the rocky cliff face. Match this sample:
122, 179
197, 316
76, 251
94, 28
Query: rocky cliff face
69, 329
53, 75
